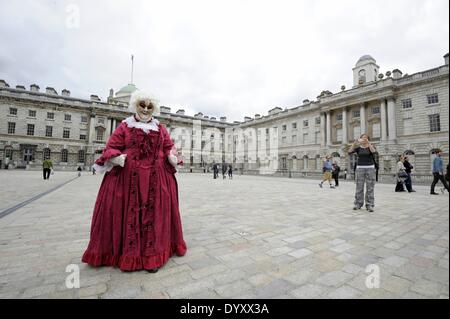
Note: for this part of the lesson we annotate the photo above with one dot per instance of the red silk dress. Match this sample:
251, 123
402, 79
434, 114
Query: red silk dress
136, 222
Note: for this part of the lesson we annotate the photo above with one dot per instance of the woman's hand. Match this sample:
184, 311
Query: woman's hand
172, 160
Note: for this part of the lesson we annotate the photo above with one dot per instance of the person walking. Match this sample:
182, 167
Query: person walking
47, 166
224, 170
365, 172
79, 171
335, 173
230, 172
408, 170
327, 168
401, 175
438, 173
447, 177
215, 171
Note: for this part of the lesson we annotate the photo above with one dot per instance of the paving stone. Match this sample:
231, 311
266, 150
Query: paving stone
335, 278
308, 291
426, 288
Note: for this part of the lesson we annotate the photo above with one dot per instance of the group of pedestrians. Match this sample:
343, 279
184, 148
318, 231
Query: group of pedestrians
226, 169
403, 175
330, 171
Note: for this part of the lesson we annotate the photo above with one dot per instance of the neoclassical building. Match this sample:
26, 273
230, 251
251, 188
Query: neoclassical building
402, 114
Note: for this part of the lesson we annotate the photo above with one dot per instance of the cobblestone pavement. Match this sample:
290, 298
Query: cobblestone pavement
250, 237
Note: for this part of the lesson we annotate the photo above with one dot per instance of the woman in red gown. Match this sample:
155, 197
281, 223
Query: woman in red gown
136, 222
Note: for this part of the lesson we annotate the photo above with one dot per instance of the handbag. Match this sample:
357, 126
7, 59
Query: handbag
402, 174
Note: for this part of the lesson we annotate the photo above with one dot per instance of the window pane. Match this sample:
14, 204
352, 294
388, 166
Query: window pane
11, 127
376, 130
30, 129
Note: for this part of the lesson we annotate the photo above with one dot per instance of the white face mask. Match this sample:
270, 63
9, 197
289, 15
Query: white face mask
144, 110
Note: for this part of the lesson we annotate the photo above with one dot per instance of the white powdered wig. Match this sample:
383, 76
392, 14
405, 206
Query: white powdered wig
139, 96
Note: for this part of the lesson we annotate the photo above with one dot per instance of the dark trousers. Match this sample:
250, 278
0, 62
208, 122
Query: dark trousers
46, 173
336, 180
399, 187
438, 177
408, 183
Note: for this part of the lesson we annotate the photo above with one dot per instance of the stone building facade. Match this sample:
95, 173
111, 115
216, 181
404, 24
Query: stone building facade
402, 114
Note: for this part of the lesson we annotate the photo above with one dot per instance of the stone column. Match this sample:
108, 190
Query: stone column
392, 127
91, 134
344, 126
322, 130
383, 124
362, 118
328, 128
109, 125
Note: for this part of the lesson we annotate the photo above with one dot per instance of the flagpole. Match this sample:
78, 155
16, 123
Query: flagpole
132, 64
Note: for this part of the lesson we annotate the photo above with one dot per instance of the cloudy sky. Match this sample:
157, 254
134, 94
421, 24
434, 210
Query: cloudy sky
223, 58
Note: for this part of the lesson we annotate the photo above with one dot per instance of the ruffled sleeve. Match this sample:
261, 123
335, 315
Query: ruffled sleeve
167, 141
114, 147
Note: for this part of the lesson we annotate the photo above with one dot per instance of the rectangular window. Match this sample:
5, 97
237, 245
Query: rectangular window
67, 117
283, 140
294, 126
84, 119
305, 123
317, 120
284, 127
376, 110
64, 155
294, 139
50, 116
376, 130
81, 156
435, 123
356, 132
12, 111
31, 113
305, 138
433, 98
66, 133
101, 120
11, 128
49, 131
339, 135
356, 114
317, 137
339, 117
100, 134
407, 104
30, 129
83, 137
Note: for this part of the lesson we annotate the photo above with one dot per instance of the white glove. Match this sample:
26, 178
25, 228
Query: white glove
173, 160
119, 160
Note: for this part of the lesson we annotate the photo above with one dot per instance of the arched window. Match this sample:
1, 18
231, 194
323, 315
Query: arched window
305, 162
81, 156
46, 153
64, 155
318, 162
335, 157
362, 76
